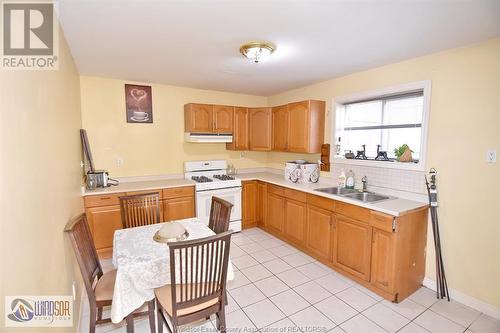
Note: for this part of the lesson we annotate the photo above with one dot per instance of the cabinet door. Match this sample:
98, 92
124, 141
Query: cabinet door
320, 232
295, 221
103, 221
382, 263
275, 212
249, 201
280, 128
261, 203
298, 140
178, 208
198, 118
260, 127
223, 119
353, 246
240, 132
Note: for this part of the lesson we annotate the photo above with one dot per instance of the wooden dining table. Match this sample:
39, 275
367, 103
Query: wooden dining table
143, 264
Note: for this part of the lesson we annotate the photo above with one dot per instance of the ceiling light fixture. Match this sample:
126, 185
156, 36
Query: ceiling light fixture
257, 50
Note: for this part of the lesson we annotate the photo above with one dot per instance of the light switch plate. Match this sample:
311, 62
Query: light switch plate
491, 156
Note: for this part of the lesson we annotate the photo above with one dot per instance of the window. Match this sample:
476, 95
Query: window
384, 121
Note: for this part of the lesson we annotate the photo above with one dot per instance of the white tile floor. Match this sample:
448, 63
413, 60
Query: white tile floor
278, 289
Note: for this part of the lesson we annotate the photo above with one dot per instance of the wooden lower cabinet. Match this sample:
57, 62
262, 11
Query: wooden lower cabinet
382, 261
275, 218
104, 216
261, 204
352, 248
249, 203
103, 221
295, 221
178, 208
320, 234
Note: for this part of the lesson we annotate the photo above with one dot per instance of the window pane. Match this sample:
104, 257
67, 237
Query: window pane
396, 137
355, 139
403, 111
363, 114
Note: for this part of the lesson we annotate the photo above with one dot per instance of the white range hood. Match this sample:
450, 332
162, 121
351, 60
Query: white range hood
208, 137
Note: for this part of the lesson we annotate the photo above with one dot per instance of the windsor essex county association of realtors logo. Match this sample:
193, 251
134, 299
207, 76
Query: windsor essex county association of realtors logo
30, 36
38, 311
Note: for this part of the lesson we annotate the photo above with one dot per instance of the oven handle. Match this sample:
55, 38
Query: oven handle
218, 189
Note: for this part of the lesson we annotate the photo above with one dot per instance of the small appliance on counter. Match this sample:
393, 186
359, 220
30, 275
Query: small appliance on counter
302, 172
94, 178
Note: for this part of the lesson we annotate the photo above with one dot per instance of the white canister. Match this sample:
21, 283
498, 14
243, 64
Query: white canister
302, 172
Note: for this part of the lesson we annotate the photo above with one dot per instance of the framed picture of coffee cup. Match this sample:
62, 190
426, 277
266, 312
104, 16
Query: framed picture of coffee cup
139, 104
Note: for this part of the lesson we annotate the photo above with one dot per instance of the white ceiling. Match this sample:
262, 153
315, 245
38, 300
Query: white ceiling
195, 43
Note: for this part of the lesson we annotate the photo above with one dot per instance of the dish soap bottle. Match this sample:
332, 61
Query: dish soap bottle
342, 179
350, 180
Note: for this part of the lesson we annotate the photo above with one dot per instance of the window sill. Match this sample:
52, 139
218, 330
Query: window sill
380, 164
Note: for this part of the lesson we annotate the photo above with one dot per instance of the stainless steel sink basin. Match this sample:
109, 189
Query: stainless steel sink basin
367, 196
336, 190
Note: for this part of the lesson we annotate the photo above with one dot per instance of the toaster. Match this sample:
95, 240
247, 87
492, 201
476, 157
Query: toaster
97, 178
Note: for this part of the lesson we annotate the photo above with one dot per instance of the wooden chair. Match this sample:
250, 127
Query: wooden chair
99, 285
220, 213
141, 209
198, 287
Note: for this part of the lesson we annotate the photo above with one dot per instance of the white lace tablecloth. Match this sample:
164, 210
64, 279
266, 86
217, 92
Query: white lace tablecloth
143, 264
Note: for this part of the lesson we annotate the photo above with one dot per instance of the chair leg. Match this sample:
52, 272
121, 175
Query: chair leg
151, 315
93, 319
160, 317
99, 313
130, 323
221, 320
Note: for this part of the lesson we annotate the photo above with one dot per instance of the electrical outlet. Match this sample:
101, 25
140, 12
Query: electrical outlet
119, 161
491, 156
73, 288
242, 154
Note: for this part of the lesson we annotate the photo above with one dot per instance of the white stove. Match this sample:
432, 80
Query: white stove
212, 180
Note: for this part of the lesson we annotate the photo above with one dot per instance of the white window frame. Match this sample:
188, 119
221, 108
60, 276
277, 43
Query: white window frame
338, 105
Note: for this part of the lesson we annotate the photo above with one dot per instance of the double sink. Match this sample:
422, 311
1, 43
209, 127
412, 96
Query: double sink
354, 194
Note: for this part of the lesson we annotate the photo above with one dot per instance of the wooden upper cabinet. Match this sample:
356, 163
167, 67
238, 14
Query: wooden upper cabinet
352, 246
307, 126
198, 118
240, 131
223, 118
260, 128
280, 128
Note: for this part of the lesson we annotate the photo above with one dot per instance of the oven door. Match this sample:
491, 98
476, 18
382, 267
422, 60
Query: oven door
204, 202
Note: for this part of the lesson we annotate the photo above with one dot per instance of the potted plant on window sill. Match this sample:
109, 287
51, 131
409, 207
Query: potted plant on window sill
403, 153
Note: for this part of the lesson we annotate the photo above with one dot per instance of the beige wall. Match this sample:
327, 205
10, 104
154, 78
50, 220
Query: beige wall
40, 181
464, 123
158, 148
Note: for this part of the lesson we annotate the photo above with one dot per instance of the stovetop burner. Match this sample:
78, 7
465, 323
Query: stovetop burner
223, 177
202, 179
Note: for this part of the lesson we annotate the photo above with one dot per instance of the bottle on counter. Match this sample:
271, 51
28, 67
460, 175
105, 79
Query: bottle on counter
342, 179
350, 181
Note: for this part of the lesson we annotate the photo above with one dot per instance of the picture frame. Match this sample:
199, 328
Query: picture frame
138, 104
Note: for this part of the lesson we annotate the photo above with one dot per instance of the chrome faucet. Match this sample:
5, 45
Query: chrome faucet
364, 181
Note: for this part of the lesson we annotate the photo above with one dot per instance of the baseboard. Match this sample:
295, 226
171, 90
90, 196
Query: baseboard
470, 301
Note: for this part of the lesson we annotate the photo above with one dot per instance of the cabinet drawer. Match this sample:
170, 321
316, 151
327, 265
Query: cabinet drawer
295, 195
276, 189
103, 200
178, 192
321, 202
381, 221
159, 191
352, 211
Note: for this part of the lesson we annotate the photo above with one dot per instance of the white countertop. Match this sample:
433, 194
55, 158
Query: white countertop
394, 206
141, 186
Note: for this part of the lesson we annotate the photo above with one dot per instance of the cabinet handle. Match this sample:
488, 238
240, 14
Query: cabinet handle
105, 198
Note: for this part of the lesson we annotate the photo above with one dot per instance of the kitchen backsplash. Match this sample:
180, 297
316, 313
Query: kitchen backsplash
395, 179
